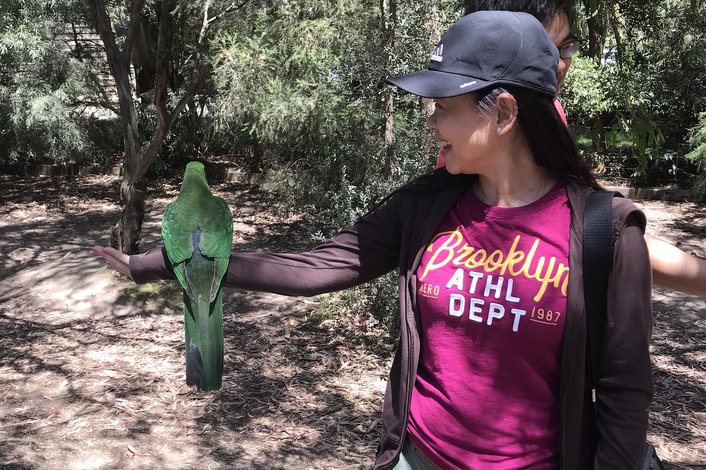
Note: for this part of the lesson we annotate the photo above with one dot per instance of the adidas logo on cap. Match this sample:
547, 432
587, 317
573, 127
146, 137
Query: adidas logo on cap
438, 53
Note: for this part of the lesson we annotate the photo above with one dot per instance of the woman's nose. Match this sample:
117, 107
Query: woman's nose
431, 121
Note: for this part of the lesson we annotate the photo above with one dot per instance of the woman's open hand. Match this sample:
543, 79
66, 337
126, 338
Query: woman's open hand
117, 260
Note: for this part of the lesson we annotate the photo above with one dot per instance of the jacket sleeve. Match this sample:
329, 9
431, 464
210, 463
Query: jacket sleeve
354, 256
624, 390
153, 265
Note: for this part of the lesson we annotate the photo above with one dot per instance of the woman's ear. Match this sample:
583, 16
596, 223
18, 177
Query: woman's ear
506, 112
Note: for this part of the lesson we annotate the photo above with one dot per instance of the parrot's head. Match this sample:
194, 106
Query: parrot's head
195, 167
194, 178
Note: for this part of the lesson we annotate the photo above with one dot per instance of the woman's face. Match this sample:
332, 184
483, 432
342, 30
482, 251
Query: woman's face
462, 132
559, 31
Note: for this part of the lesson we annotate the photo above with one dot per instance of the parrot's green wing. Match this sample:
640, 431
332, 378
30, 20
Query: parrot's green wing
178, 242
217, 239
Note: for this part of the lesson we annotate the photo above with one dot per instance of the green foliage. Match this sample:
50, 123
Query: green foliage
40, 80
673, 58
650, 83
587, 90
591, 90
305, 84
644, 136
279, 82
698, 140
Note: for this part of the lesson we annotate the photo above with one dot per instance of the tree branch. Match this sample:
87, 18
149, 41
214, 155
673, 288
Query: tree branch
105, 31
614, 18
162, 66
204, 25
118, 62
166, 121
134, 20
190, 93
160, 93
208, 22
97, 104
106, 101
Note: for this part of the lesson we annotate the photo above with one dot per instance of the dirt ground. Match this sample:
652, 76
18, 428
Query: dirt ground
91, 365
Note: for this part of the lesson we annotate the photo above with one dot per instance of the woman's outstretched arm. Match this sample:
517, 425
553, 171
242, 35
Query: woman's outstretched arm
675, 269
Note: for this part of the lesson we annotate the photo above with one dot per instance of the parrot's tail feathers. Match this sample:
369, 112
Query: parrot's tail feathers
194, 365
210, 328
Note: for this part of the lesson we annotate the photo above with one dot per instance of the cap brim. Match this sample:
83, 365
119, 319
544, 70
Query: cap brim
437, 84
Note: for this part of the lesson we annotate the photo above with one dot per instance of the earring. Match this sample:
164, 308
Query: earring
498, 130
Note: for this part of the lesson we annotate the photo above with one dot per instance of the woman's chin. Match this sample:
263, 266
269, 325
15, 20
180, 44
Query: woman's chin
452, 168
451, 165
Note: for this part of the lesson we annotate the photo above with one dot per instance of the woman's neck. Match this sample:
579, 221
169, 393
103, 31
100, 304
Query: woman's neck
514, 184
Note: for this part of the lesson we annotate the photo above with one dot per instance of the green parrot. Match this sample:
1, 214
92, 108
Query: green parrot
197, 229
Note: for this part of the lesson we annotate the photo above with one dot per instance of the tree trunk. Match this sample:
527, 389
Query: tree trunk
125, 235
389, 135
596, 22
596, 30
598, 133
388, 18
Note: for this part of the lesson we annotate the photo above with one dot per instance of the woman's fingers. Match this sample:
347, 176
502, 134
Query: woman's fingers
116, 259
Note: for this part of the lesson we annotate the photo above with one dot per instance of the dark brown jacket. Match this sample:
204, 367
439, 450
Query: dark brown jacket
395, 235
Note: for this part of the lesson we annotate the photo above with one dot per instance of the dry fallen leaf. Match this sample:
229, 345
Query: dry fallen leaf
184, 390
205, 429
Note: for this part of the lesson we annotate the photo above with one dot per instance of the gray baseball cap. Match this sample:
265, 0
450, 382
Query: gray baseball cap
485, 49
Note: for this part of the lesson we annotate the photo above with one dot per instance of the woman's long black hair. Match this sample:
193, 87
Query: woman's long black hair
552, 145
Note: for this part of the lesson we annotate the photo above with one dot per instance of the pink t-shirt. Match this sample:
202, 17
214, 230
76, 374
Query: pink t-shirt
560, 111
492, 301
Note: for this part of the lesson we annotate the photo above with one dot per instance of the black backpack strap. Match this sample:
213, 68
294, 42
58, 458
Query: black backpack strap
597, 263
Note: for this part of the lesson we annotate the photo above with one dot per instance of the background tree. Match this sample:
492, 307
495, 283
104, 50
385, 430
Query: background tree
302, 84
388, 20
698, 153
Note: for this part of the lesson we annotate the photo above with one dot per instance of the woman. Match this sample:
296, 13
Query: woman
489, 371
